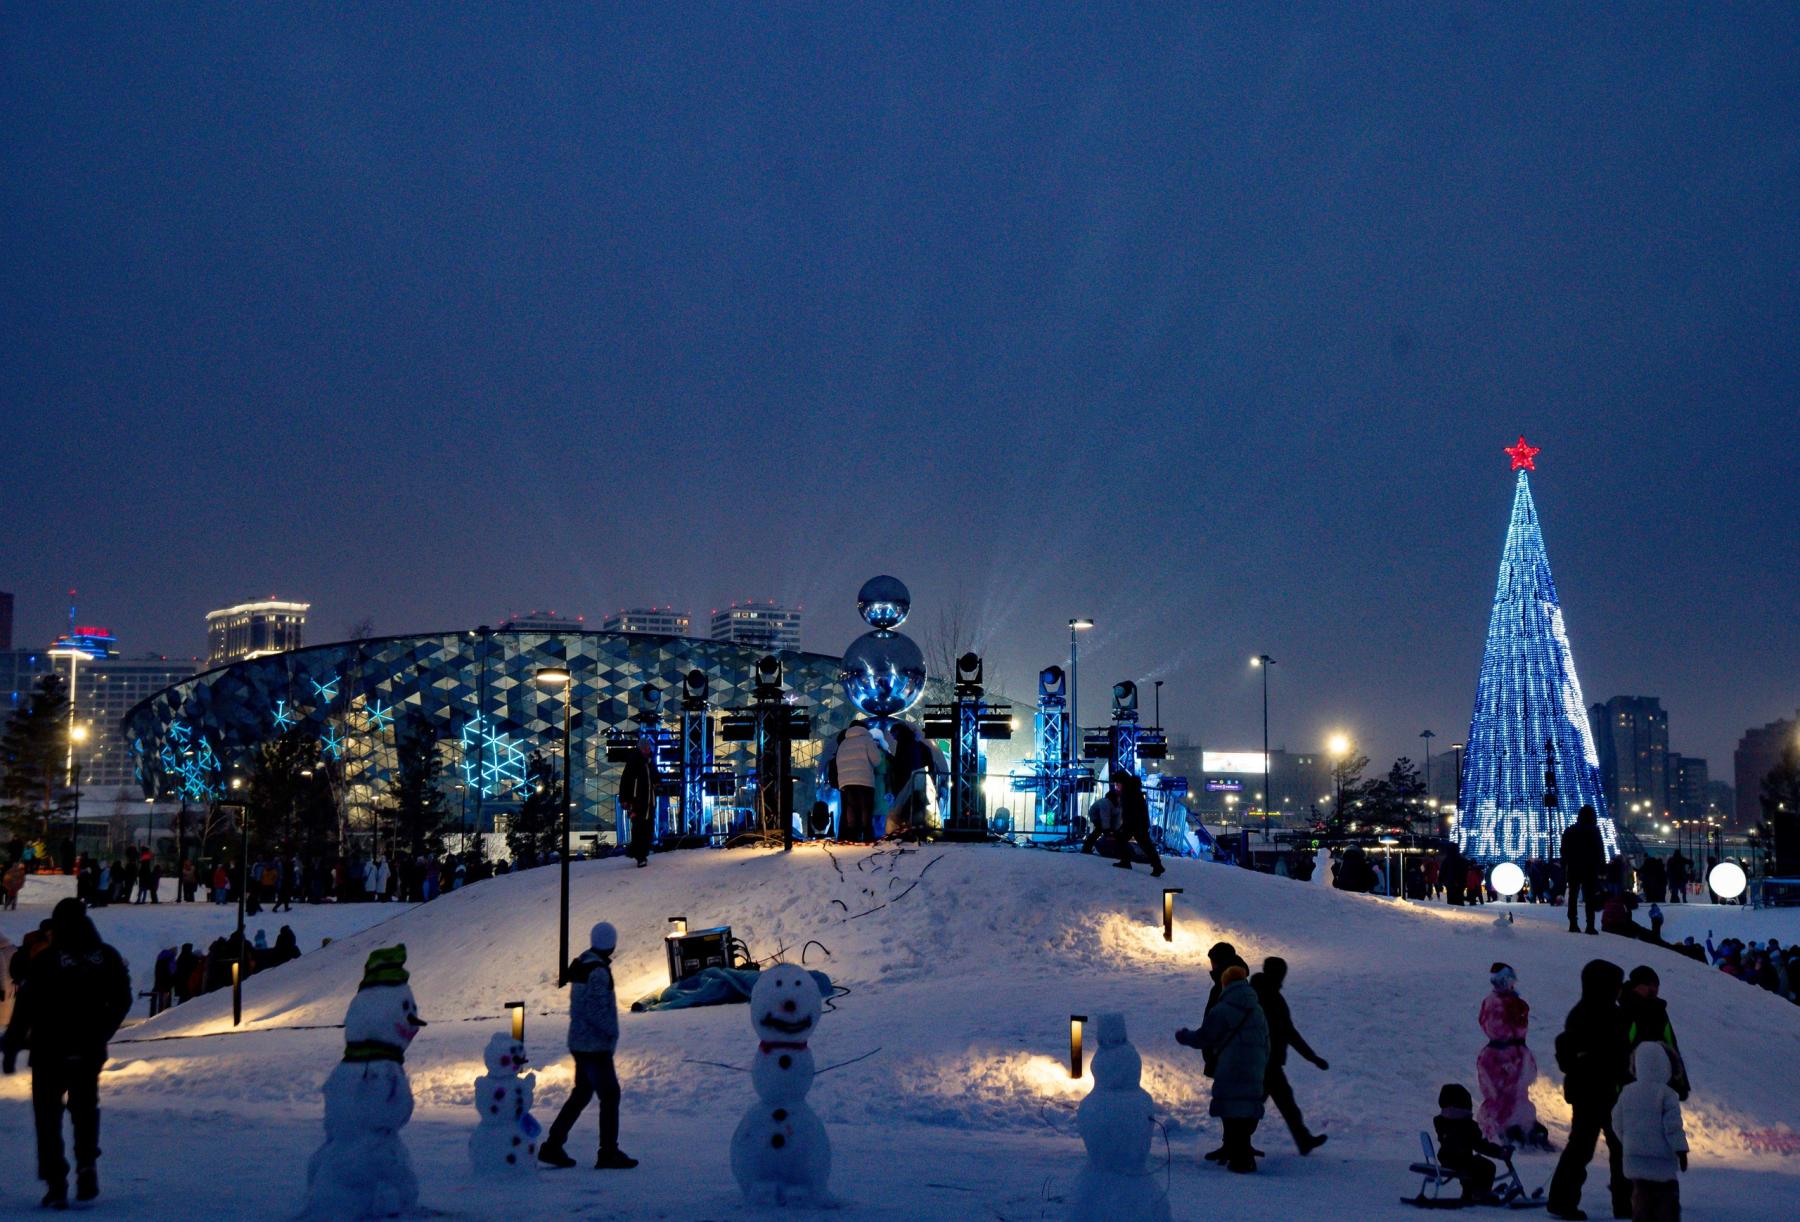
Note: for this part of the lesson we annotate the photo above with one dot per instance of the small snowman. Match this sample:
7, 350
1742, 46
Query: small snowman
505, 1140
780, 1153
362, 1170
1115, 1122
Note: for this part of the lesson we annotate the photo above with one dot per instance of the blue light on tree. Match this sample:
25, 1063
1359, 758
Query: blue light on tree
1530, 764
492, 763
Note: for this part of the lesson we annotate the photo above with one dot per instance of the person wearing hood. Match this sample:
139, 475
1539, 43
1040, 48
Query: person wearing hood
1461, 1147
1647, 1019
1282, 1036
1234, 1039
593, 1037
1592, 1053
1583, 855
69, 1006
1647, 1119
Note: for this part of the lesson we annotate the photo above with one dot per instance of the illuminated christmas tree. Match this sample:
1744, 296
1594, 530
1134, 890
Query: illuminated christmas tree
1530, 763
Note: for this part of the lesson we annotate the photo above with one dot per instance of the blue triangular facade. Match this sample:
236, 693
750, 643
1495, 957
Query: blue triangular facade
1528, 697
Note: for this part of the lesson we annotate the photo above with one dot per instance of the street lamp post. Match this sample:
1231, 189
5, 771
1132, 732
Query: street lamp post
1263, 661
1339, 746
1428, 735
243, 889
77, 734
1072, 740
462, 797
559, 677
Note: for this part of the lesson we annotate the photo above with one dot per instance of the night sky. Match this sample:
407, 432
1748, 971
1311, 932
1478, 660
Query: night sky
1211, 326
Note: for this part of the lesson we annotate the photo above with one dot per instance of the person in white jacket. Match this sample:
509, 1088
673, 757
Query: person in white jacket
1647, 1119
858, 756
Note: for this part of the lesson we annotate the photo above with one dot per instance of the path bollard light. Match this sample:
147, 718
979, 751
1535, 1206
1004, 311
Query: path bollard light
1169, 894
680, 924
1075, 1024
237, 995
517, 1009
1508, 879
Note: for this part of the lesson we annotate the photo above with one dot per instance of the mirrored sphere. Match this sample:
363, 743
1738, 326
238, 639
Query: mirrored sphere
883, 673
884, 602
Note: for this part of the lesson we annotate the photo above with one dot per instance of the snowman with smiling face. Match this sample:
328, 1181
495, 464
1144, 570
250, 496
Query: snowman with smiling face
780, 1153
362, 1170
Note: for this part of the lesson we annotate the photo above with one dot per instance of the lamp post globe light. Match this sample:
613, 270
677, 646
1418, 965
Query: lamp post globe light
1262, 662
559, 678
1338, 745
77, 736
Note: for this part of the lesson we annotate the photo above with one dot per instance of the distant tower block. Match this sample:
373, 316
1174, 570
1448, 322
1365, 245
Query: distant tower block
1531, 763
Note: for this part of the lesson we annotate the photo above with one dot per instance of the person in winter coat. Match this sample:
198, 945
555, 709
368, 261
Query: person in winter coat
593, 1037
1679, 870
11, 883
1282, 1036
1647, 1020
1460, 1145
1583, 855
637, 794
1647, 1119
8, 990
1454, 870
1592, 1053
1103, 817
856, 760
71, 1003
1505, 1068
1134, 824
1234, 1038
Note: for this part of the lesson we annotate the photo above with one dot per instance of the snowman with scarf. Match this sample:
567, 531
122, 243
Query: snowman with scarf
1115, 1122
362, 1170
780, 1153
505, 1141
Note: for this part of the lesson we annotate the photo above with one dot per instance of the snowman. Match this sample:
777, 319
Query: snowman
780, 1153
505, 1140
362, 1170
1115, 1124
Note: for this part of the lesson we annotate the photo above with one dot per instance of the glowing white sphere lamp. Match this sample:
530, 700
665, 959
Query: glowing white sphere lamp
1727, 880
1507, 879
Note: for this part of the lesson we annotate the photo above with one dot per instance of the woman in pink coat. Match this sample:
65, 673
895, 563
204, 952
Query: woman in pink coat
1505, 1068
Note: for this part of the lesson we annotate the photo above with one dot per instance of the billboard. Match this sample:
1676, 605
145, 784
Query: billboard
1243, 762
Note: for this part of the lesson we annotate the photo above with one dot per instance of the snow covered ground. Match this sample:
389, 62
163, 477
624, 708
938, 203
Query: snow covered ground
964, 965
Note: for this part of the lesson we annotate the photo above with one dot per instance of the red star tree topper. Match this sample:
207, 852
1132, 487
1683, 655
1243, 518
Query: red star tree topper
1523, 455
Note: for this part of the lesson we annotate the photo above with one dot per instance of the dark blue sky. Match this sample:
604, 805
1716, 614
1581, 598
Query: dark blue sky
1209, 325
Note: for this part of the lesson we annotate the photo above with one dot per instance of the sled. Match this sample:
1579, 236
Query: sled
1508, 1191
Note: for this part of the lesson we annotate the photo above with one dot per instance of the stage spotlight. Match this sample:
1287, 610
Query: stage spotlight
768, 671
1125, 697
1052, 682
693, 685
650, 700
968, 668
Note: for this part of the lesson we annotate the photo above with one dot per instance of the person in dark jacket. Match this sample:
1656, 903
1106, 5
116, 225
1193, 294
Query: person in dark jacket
1583, 855
1460, 1145
1593, 1055
1454, 871
69, 1006
1647, 1021
1134, 824
593, 1037
1678, 872
1234, 1039
186, 964
1655, 877
637, 794
1282, 1036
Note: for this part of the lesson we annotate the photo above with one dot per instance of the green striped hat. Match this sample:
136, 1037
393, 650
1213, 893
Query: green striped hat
386, 966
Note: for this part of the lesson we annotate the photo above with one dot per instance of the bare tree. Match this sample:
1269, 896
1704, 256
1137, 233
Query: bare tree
950, 634
360, 629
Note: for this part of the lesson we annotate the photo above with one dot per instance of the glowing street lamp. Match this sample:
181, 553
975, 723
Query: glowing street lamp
1076, 1022
1339, 747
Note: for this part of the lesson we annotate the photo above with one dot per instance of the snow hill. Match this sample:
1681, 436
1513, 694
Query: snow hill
963, 964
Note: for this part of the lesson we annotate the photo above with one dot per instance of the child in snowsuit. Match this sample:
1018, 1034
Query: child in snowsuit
1505, 1068
1460, 1145
1647, 1119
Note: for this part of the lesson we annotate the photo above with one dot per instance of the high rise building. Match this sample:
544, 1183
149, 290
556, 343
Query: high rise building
105, 686
250, 630
659, 621
542, 621
1632, 735
1531, 763
1758, 751
758, 625
6, 613
1688, 787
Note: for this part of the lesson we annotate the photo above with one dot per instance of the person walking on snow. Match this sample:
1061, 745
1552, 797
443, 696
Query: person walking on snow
856, 759
593, 1037
1647, 1119
1583, 855
1505, 1068
69, 1005
1591, 1052
1234, 1039
1134, 824
1282, 1036
637, 794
